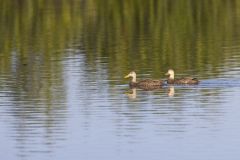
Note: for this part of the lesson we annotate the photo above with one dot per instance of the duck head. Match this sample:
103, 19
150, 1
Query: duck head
170, 74
133, 75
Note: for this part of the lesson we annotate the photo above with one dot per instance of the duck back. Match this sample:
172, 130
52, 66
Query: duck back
185, 80
147, 84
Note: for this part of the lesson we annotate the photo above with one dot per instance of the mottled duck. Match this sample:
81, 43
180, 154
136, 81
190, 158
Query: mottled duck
184, 80
147, 84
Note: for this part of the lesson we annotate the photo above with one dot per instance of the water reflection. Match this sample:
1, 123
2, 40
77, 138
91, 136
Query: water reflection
132, 93
172, 115
171, 91
33, 101
155, 41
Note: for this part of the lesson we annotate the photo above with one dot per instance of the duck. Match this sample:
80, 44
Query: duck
147, 84
184, 80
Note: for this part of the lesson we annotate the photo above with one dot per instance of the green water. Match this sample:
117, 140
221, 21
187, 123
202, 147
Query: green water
185, 35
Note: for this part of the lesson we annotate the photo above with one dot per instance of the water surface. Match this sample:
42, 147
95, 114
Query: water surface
62, 90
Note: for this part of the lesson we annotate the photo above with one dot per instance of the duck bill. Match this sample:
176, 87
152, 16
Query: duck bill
167, 74
126, 76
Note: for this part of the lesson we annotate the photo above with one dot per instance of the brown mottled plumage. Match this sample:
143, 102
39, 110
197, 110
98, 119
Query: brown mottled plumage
146, 84
185, 80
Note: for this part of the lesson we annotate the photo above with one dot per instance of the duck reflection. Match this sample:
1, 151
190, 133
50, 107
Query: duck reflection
171, 91
132, 93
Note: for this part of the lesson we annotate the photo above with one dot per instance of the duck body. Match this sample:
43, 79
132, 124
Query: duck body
147, 84
185, 80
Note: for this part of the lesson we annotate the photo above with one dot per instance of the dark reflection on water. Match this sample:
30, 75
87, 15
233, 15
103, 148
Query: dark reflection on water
62, 90
35, 115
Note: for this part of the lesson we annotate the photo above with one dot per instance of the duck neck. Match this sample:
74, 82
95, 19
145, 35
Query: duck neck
134, 79
171, 76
